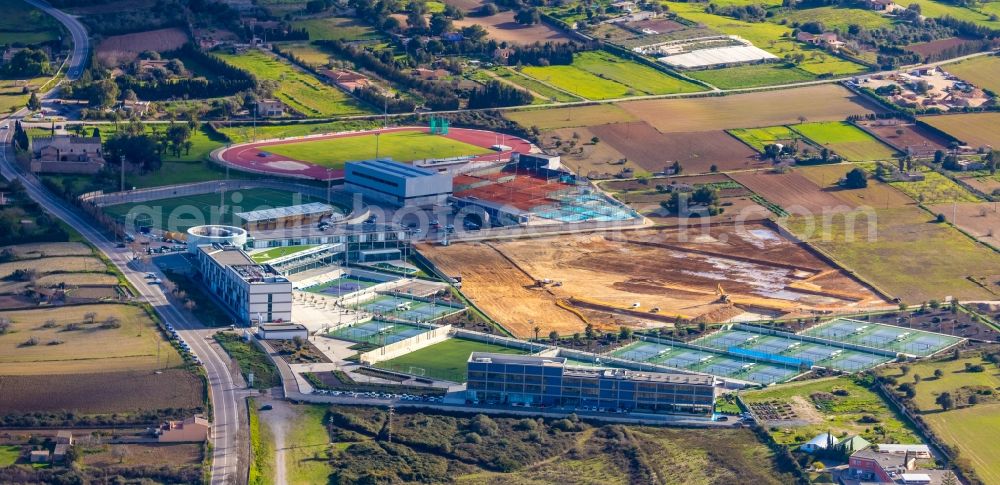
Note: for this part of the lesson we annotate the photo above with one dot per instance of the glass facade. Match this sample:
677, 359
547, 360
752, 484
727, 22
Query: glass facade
548, 382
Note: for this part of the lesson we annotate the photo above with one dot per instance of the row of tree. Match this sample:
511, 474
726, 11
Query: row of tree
496, 94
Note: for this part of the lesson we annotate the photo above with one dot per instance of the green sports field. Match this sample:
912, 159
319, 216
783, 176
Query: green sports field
182, 213
446, 360
846, 140
403, 146
265, 256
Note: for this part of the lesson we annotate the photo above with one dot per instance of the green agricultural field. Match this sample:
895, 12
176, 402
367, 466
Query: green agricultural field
579, 82
973, 129
771, 37
632, 74
9, 455
337, 28
973, 432
307, 53
953, 380
307, 431
983, 72
555, 118
533, 85
758, 138
933, 9
935, 189
25, 24
403, 146
261, 447
836, 17
900, 251
967, 428
182, 213
133, 342
245, 134
838, 413
752, 75
445, 360
846, 140
265, 256
299, 90
602, 75
12, 97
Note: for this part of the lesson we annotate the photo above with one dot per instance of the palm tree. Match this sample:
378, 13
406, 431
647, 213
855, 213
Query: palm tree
537, 329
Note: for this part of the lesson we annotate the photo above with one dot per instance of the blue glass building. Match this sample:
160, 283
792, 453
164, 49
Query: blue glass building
533, 381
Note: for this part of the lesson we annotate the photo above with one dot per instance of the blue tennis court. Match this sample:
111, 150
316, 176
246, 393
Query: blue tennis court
641, 351
408, 308
377, 332
344, 285
881, 336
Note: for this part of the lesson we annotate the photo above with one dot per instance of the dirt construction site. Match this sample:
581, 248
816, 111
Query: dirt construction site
648, 278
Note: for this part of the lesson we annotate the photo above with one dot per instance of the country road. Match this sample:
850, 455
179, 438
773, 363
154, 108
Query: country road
227, 397
228, 403
81, 43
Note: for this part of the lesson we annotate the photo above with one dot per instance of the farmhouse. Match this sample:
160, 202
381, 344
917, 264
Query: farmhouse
826, 39
195, 429
871, 465
430, 74
347, 80
286, 331
67, 154
39, 456
517, 380
397, 183
270, 108
63, 440
502, 54
252, 292
887, 6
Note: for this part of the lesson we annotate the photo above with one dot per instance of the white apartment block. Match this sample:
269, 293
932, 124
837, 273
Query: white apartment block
256, 293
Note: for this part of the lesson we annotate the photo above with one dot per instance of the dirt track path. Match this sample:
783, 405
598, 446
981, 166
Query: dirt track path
279, 420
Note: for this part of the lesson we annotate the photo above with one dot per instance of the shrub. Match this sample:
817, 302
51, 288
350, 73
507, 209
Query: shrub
473, 438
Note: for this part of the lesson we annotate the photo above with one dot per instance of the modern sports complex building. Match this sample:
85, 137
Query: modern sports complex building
549, 382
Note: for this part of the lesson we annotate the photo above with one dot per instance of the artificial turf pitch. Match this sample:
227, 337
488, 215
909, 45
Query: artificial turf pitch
402, 146
445, 360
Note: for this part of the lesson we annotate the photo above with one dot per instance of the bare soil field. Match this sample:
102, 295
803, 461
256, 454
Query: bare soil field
974, 129
594, 160
125, 48
650, 184
986, 185
65, 341
676, 271
79, 279
551, 119
697, 152
827, 102
913, 139
792, 192
980, 219
661, 26
936, 46
104, 393
48, 249
54, 265
503, 28
465, 5
877, 194
500, 289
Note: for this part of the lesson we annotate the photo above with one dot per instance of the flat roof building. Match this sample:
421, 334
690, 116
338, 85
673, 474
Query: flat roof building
282, 331
534, 381
253, 292
396, 183
281, 217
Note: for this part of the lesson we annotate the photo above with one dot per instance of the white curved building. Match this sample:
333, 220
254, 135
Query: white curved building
214, 234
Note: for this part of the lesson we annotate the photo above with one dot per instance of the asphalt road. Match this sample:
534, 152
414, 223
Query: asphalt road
81, 44
227, 398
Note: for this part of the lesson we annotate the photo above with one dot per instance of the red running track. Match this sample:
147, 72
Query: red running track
247, 157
